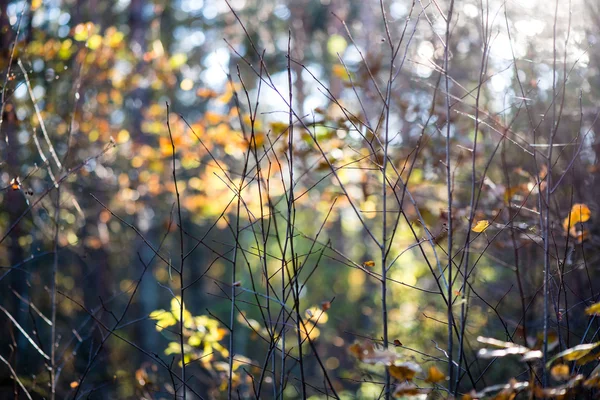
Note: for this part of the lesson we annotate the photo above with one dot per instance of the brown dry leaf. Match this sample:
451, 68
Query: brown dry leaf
481, 226
408, 389
368, 354
469, 396
405, 371
543, 172
510, 192
558, 392
356, 349
386, 357
506, 394
326, 305
593, 382
434, 375
560, 372
397, 343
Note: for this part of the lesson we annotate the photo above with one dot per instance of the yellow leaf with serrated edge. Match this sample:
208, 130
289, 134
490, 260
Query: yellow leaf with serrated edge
594, 309
481, 226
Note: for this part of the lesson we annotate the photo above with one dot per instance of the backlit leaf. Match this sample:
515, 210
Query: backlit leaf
434, 375
560, 372
339, 71
369, 354
409, 389
594, 309
405, 371
579, 213
481, 226
574, 353
369, 263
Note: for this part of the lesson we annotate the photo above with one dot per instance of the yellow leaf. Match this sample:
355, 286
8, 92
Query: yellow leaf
481, 226
434, 375
279, 127
510, 192
213, 118
94, 42
574, 353
74, 384
35, 4
194, 340
82, 31
177, 60
594, 309
579, 213
115, 39
339, 71
336, 44
560, 372
157, 314
369, 263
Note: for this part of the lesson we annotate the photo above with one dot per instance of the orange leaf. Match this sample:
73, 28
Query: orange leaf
579, 213
206, 93
560, 372
369, 263
405, 371
339, 71
434, 375
15, 184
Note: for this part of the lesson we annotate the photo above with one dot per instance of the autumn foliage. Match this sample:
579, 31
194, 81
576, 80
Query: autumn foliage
341, 199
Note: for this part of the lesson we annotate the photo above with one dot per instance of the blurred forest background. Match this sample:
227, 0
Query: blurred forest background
305, 198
